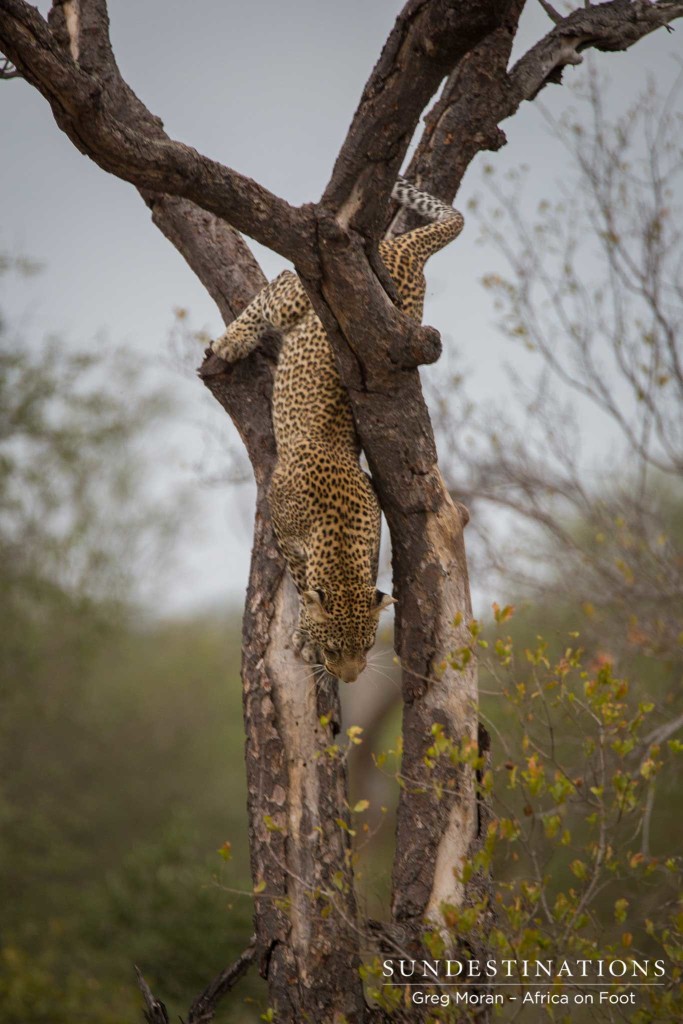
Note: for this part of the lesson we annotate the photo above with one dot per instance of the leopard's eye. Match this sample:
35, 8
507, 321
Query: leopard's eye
332, 648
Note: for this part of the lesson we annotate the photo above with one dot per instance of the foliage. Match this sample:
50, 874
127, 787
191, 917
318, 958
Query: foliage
586, 862
124, 784
69, 489
585, 851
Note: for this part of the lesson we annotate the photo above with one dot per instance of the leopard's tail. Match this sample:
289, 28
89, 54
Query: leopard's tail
446, 223
423, 203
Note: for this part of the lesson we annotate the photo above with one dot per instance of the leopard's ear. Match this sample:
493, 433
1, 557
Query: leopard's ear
313, 604
382, 601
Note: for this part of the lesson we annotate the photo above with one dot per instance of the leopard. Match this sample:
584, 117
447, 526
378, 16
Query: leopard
324, 508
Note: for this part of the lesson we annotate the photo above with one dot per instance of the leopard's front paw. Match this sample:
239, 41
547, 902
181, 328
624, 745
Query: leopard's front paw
221, 347
306, 647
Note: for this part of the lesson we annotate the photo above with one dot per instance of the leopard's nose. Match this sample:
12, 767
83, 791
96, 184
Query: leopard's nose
350, 670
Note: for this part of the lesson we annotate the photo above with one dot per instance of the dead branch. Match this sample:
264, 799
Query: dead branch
616, 25
82, 108
481, 92
203, 1009
155, 1011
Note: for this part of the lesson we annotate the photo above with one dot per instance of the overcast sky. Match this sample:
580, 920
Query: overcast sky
269, 89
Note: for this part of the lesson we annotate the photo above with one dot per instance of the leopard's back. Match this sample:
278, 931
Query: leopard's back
309, 401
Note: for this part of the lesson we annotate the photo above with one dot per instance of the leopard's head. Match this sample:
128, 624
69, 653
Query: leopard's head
344, 630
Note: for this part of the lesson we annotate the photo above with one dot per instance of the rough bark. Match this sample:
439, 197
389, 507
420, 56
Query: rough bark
428, 39
481, 91
296, 783
464, 121
438, 822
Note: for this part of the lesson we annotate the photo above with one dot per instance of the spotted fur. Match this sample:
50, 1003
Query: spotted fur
324, 508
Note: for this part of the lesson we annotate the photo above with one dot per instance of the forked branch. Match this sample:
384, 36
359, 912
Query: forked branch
481, 92
203, 1009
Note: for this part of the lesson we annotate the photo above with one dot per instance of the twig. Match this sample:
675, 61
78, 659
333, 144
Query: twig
550, 11
663, 732
155, 1012
203, 1009
647, 819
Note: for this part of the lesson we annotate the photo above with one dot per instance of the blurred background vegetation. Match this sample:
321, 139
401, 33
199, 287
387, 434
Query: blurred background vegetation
121, 740
120, 736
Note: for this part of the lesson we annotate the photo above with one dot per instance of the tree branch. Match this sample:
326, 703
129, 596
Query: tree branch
465, 119
554, 15
429, 37
480, 92
203, 1009
81, 106
155, 1011
214, 250
663, 732
616, 25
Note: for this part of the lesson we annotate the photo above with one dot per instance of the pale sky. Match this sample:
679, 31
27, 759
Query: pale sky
269, 89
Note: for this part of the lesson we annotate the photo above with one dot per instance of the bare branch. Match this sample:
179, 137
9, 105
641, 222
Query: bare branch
81, 105
428, 39
605, 333
214, 250
480, 92
203, 1009
550, 11
465, 119
155, 1012
663, 732
616, 25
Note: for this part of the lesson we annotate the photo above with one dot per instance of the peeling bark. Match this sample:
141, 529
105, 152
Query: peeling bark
296, 791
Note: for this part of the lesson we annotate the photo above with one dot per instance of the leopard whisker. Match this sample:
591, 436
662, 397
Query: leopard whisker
378, 671
375, 656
